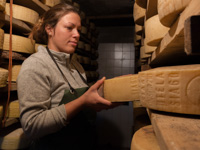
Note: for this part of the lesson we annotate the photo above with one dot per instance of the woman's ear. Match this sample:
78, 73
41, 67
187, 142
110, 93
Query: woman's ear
49, 30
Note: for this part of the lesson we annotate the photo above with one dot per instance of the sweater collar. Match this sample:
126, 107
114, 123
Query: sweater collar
60, 57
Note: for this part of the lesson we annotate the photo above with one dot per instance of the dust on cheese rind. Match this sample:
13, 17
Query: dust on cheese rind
19, 44
120, 89
14, 140
154, 31
22, 13
144, 139
169, 10
171, 89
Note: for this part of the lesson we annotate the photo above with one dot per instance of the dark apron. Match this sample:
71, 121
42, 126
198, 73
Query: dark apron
78, 134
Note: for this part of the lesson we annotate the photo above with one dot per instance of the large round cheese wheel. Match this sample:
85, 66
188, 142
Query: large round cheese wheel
172, 89
138, 29
3, 77
82, 15
151, 9
138, 14
2, 5
142, 3
154, 31
19, 44
92, 26
51, 3
138, 38
145, 139
15, 72
13, 109
76, 5
22, 13
169, 10
83, 30
1, 38
149, 49
86, 60
87, 47
142, 53
81, 45
14, 140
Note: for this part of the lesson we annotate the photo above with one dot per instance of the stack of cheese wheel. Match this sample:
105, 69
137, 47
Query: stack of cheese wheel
145, 139
19, 44
148, 49
151, 8
51, 3
143, 55
138, 14
154, 31
119, 89
138, 29
3, 77
13, 110
172, 89
169, 10
2, 5
142, 3
22, 13
15, 139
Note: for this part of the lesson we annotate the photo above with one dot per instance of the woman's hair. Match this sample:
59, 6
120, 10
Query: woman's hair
51, 17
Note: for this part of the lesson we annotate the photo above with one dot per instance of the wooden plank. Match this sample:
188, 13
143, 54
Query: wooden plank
192, 36
33, 4
17, 24
175, 131
172, 45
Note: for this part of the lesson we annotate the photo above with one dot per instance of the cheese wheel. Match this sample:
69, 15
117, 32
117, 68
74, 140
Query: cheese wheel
120, 89
138, 38
13, 110
51, 3
19, 44
92, 26
142, 53
154, 31
81, 44
1, 111
2, 5
76, 5
171, 89
3, 77
138, 14
1, 38
138, 29
83, 30
151, 8
15, 72
145, 139
14, 140
86, 60
94, 63
82, 15
22, 13
148, 49
142, 3
169, 10
89, 35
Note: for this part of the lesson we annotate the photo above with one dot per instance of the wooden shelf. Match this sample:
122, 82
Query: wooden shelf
171, 48
176, 131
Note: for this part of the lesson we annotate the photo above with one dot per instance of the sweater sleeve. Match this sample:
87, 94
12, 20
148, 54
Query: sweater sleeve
36, 115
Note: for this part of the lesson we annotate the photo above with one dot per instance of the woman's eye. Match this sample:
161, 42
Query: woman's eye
69, 28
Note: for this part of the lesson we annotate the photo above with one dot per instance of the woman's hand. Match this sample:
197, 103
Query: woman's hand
94, 100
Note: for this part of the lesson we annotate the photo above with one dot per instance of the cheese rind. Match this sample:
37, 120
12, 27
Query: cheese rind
154, 31
142, 3
22, 13
138, 14
1, 38
169, 10
172, 89
120, 89
19, 44
145, 139
51, 3
13, 110
14, 140
3, 77
2, 5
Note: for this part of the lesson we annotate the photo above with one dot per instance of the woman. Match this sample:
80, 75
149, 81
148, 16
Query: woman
47, 81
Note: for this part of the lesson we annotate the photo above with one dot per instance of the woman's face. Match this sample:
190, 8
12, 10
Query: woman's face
65, 36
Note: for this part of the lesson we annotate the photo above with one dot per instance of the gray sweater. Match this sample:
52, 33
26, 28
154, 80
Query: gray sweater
41, 87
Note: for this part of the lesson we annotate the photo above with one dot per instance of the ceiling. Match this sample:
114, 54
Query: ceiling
108, 12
